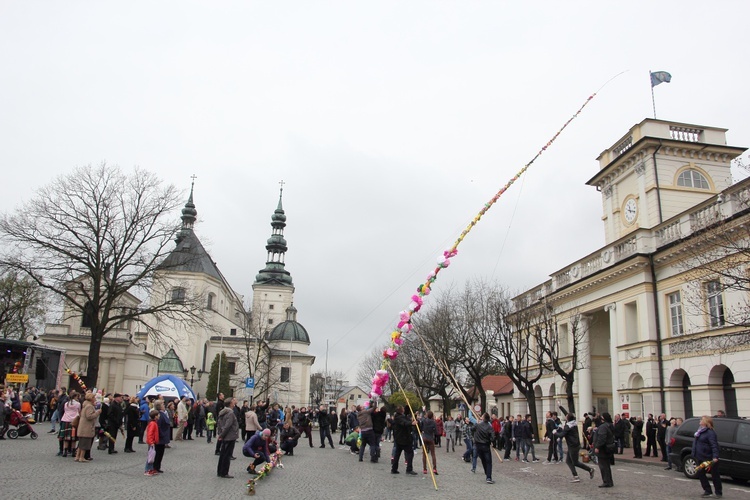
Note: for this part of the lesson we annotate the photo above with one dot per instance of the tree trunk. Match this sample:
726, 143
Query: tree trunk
569, 395
531, 398
95, 347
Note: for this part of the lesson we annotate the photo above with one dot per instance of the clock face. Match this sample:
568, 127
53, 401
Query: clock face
631, 210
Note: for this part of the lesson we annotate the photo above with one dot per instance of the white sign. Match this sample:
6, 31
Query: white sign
249, 391
477, 408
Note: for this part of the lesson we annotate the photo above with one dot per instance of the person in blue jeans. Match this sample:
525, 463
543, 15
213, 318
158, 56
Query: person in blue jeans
470, 454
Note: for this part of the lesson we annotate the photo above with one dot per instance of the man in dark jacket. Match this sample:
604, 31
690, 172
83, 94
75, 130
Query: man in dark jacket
569, 431
661, 435
227, 434
651, 436
620, 428
508, 437
483, 435
324, 426
604, 446
219, 406
114, 420
378, 426
402, 426
549, 434
288, 438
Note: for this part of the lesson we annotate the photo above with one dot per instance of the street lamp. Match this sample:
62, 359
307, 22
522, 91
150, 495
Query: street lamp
192, 375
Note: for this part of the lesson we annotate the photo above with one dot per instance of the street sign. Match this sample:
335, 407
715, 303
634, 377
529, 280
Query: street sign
249, 392
477, 408
249, 383
16, 378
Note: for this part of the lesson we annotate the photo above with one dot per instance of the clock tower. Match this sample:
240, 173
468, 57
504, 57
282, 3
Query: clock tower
658, 170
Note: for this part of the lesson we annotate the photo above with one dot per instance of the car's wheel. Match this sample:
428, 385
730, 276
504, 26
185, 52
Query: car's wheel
690, 467
13, 433
34, 435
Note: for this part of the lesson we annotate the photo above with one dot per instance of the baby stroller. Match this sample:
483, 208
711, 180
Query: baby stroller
22, 426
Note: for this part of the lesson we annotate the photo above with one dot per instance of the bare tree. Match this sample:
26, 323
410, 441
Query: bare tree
21, 306
472, 326
255, 354
94, 239
515, 346
563, 349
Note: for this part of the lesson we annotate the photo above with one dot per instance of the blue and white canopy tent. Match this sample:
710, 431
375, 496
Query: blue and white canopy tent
168, 386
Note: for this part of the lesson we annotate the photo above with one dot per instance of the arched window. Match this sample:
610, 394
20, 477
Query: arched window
692, 179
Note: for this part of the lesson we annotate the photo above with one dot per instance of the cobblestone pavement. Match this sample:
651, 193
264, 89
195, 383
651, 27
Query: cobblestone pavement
30, 470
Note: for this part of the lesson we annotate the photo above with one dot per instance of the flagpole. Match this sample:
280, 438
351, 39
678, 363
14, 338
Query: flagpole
653, 101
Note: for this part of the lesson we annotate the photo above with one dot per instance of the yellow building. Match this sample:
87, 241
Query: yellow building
661, 315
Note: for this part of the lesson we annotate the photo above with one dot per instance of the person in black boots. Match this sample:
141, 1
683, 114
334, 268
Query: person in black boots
661, 435
402, 426
219, 407
651, 436
638, 437
605, 448
620, 428
229, 432
114, 421
324, 425
132, 422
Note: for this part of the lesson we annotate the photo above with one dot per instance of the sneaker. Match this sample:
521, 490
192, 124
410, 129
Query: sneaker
490, 481
707, 494
474, 471
591, 473
575, 479
51, 432
395, 472
434, 471
412, 473
535, 460
525, 461
424, 471
547, 462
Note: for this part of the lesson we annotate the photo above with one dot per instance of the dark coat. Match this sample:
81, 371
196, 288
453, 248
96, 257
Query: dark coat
637, 430
114, 417
570, 432
706, 446
378, 421
402, 429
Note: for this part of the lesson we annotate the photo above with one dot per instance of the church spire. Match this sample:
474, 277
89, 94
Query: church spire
189, 214
274, 271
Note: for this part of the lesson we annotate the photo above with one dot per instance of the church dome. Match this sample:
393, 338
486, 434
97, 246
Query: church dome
290, 331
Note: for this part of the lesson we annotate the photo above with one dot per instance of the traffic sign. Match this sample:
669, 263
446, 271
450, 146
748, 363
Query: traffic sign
249, 383
17, 378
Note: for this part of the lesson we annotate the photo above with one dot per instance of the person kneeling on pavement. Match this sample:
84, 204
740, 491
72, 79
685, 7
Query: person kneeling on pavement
257, 448
289, 438
351, 440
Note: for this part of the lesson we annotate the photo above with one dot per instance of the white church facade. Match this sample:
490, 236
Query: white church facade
262, 339
663, 304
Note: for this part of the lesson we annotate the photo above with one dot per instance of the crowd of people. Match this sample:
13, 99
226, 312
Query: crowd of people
81, 420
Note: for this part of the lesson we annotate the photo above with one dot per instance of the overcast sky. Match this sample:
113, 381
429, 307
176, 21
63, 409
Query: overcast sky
391, 124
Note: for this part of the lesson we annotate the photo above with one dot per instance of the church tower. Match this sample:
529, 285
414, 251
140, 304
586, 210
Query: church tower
273, 289
273, 308
658, 170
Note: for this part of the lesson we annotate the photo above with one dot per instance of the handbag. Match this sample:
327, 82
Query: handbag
151, 455
643, 438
